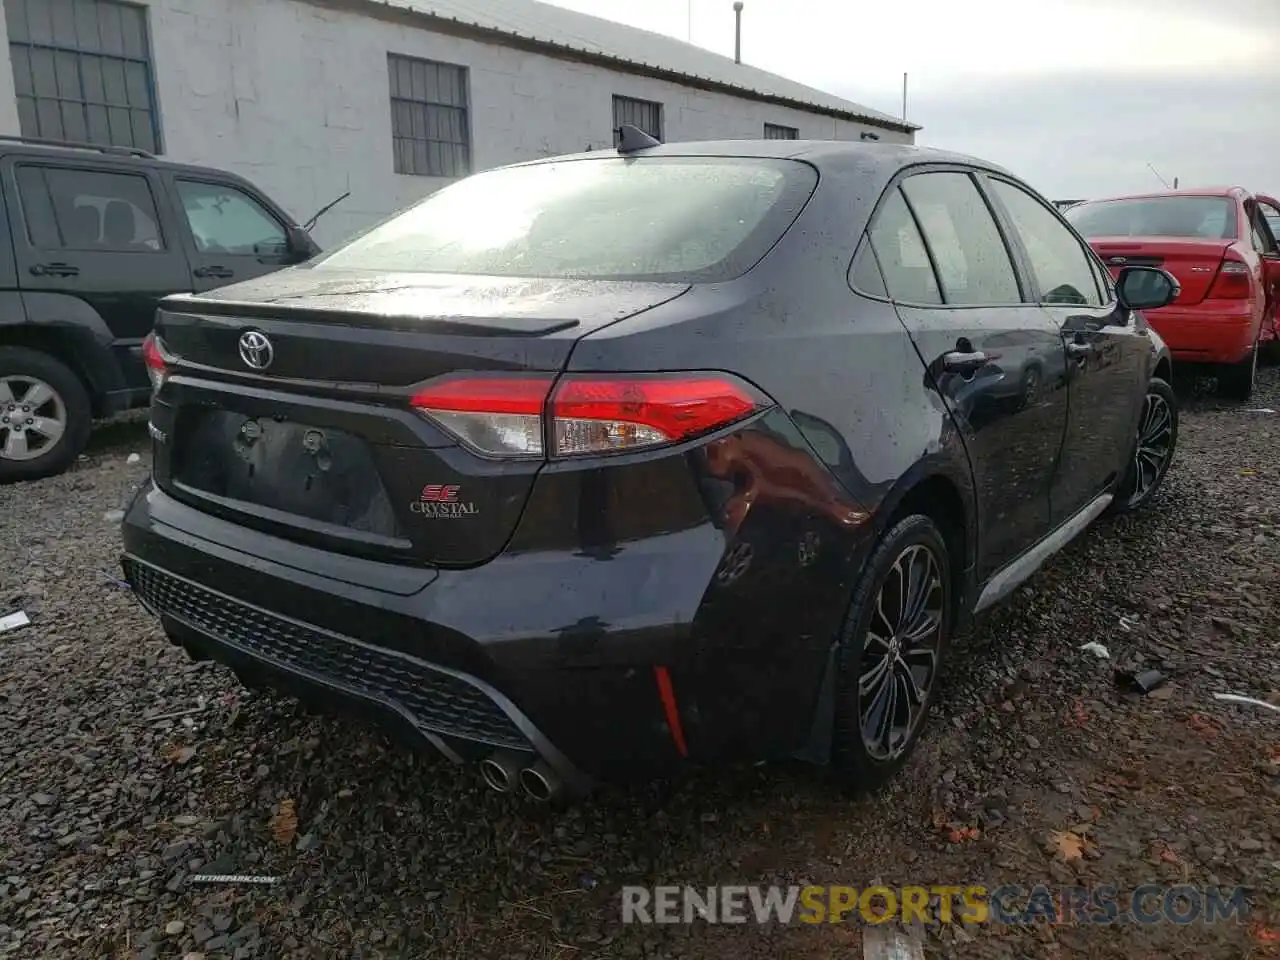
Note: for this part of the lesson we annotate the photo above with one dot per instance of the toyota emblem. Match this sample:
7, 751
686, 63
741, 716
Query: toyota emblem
256, 350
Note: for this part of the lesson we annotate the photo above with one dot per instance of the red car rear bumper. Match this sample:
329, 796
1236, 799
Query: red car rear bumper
1215, 331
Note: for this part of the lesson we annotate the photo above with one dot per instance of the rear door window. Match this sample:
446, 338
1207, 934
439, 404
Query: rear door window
904, 261
974, 266
69, 209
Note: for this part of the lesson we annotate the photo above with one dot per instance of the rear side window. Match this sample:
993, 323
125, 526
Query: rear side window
1064, 272
1203, 218
226, 220
66, 209
904, 261
866, 276
658, 218
973, 263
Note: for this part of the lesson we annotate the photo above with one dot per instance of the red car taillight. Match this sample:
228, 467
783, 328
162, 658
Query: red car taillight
512, 416
156, 360
1233, 281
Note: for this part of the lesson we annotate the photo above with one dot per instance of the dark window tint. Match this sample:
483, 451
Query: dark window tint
1064, 272
866, 276
1263, 242
776, 131
1208, 218
87, 210
972, 260
82, 71
610, 218
904, 262
226, 220
430, 135
1272, 216
644, 114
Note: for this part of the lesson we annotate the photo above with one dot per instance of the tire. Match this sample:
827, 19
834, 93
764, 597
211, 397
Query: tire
1152, 452
854, 762
1236, 381
22, 370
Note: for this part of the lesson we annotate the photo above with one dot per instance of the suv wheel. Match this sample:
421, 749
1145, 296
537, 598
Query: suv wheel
1153, 448
1236, 382
45, 415
890, 656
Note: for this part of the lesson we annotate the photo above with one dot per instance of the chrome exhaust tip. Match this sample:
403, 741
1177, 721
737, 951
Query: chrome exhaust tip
501, 771
540, 782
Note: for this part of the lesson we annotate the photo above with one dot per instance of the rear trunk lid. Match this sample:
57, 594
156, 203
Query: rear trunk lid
1194, 262
319, 444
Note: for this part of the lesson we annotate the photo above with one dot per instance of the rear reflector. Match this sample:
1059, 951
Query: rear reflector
586, 414
1233, 281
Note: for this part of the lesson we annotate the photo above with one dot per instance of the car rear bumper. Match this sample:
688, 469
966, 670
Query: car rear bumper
1215, 331
552, 657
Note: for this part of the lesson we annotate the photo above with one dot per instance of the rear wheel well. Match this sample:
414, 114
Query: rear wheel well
938, 499
49, 340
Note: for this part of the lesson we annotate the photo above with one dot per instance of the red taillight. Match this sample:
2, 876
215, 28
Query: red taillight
156, 360
1234, 281
586, 414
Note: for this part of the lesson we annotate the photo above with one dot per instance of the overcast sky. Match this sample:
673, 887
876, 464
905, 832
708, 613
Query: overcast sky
1077, 96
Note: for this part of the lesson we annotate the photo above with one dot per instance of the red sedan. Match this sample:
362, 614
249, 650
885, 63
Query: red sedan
1220, 247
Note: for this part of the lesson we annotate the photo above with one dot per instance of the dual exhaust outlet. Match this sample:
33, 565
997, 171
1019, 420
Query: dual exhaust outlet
505, 772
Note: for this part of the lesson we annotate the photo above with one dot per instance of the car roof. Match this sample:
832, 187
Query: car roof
888, 157
121, 155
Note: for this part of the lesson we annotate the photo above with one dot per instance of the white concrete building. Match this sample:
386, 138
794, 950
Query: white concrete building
311, 98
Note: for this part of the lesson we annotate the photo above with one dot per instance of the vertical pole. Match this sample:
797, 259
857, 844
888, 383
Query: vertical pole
904, 97
737, 32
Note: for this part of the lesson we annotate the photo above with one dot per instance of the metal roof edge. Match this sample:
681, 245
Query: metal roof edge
565, 51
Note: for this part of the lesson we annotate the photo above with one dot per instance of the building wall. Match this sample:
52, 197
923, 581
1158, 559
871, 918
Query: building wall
296, 98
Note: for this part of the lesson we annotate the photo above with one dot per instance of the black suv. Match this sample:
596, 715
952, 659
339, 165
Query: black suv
601, 465
94, 238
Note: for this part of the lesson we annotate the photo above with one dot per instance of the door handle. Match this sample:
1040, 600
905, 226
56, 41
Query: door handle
54, 270
958, 361
217, 273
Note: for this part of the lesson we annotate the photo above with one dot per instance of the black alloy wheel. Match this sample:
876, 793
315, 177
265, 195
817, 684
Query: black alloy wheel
892, 652
1153, 449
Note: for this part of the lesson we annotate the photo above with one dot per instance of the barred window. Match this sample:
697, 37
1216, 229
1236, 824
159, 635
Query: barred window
430, 133
82, 72
776, 131
645, 114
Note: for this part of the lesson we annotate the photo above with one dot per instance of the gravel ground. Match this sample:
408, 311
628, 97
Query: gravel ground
124, 768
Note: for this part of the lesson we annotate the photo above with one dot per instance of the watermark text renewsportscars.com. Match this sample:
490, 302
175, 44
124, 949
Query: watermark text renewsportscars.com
1009, 904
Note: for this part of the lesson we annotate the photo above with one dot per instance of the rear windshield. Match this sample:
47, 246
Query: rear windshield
658, 218
1204, 218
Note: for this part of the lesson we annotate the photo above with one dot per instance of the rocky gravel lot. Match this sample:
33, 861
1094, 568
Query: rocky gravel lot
124, 768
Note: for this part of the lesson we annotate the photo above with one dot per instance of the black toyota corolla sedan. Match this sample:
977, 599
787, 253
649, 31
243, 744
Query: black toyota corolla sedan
604, 465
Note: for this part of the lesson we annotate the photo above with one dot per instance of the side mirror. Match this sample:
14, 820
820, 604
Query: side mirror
301, 247
1146, 288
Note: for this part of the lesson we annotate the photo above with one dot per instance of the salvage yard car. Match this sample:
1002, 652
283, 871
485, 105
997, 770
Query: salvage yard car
93, 237
1217, 243
596, 466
